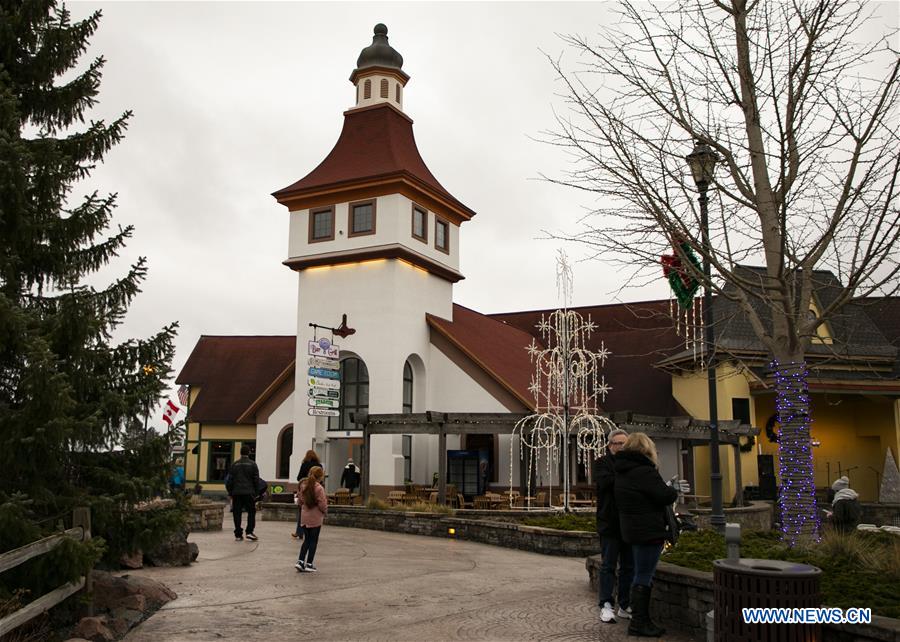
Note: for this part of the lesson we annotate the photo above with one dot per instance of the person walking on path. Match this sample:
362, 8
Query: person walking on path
310, 459
242, 485
613, 549
641, 497
313, 508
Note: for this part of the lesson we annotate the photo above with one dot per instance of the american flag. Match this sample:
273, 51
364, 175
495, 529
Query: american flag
183, 395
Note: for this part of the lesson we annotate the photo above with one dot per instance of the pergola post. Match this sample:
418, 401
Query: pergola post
738, 482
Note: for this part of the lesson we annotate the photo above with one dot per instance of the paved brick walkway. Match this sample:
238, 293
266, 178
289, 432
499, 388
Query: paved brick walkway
374, 586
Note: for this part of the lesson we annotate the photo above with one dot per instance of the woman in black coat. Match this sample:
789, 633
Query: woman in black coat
641, 497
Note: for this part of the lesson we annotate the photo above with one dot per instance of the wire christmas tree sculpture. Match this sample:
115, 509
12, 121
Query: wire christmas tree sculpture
567, 384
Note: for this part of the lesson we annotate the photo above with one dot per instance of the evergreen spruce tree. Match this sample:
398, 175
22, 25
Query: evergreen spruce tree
67, 389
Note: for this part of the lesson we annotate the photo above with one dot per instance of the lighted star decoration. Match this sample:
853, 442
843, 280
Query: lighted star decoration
567, 385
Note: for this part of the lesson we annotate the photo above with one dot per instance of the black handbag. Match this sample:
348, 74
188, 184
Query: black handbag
673, 528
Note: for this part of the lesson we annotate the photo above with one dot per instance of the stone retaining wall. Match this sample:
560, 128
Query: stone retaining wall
207, 516
682, 597
880, 514
508, 534
755, 517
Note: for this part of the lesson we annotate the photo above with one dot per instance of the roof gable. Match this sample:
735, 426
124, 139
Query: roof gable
232, 373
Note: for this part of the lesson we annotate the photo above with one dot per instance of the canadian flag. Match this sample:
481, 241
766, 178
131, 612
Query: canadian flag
169, 412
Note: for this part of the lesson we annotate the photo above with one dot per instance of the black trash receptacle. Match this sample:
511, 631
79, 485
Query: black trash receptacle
746, 583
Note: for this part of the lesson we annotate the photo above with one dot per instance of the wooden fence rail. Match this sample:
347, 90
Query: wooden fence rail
81, 530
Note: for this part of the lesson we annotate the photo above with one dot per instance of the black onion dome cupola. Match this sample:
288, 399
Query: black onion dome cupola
379, 53
379, 77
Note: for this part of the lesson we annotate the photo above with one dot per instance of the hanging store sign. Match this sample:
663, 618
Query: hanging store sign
322, 373
317, 402
323, 412
318, 382
325, 393
323, 348
322, 362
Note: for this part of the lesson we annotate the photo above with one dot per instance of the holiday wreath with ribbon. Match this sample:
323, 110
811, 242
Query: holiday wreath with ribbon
681, 279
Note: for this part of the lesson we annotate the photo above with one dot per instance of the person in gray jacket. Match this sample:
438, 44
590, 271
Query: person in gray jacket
242, 485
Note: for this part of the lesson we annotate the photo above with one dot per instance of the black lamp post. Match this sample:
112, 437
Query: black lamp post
702, 161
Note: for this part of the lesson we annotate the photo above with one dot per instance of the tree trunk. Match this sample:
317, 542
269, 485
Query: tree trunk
797, 499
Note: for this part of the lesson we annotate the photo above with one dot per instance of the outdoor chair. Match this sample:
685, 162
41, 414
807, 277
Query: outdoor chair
395, 497
342, 497
520, 502
541, 499
482, 503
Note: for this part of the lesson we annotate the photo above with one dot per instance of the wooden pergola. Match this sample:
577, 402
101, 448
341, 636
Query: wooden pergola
434, 423
491, 423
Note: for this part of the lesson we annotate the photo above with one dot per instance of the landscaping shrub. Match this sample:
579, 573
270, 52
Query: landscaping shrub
860, 569
564, 522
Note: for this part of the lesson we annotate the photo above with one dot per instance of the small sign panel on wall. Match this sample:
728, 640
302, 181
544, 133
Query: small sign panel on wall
327, 393
323, 348
323, 373
317, 382
318, 402
323, 412
322, 362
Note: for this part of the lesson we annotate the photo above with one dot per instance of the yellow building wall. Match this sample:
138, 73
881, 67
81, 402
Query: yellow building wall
853, 431
692, 393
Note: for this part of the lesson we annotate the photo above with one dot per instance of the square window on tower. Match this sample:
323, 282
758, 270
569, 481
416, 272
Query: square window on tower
362, 218
321, 225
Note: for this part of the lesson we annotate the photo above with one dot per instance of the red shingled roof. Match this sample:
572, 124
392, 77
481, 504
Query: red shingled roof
637, 335
376, 142
498, 348
232, 372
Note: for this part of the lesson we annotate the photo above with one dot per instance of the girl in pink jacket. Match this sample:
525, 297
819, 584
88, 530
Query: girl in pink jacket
313, 508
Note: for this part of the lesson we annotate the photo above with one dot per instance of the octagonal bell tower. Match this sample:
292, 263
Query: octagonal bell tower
375, 236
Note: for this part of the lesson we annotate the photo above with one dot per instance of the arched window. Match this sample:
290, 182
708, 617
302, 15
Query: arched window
384, 87
285, 450
367, 89
407, 388
354, 393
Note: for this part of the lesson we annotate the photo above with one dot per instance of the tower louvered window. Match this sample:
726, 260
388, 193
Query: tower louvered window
397, 93
367, 89
384, 88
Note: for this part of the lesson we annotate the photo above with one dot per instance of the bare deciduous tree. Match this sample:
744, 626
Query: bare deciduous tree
802, 112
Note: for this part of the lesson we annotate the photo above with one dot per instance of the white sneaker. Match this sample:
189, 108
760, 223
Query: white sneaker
607, 614
300, 566
624, 613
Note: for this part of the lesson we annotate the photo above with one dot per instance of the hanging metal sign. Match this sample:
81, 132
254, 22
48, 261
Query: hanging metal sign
318, 382
323, 412
323, 373
322, 362
317, 402
325, 393
323, 348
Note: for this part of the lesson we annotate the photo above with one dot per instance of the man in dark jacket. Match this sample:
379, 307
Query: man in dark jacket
613, 549
242, 485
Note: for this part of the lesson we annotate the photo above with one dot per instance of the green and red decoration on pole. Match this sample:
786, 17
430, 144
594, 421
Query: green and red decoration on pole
681, 280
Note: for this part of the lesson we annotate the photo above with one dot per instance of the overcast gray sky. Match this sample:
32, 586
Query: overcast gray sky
235, 100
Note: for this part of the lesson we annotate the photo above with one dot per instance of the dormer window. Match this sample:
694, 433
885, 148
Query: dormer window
442, 235
420, 223
321, 225
362, 218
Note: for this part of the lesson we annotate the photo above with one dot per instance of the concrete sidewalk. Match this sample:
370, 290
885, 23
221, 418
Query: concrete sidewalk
374, 586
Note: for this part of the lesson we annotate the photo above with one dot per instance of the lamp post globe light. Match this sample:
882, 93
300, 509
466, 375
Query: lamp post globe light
702, 162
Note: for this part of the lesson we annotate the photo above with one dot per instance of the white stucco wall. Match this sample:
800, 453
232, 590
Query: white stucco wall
386, 302
393, 224
375, 96
267, 440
